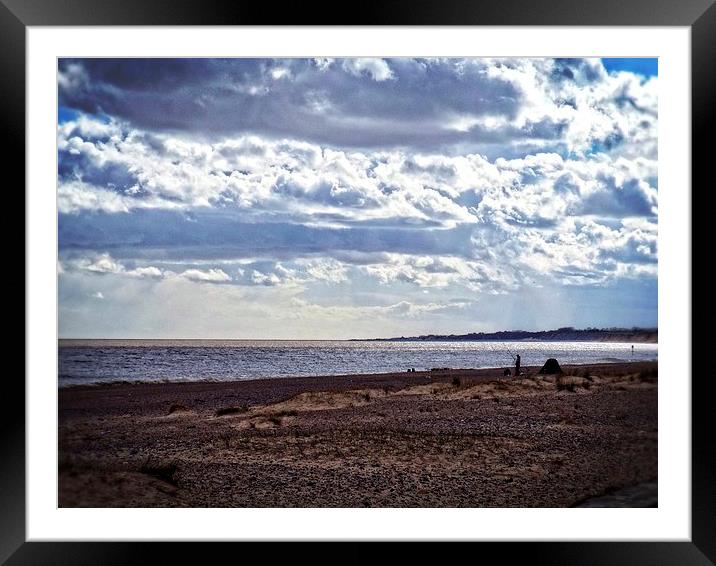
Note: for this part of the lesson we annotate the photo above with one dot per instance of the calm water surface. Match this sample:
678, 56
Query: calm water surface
101, 361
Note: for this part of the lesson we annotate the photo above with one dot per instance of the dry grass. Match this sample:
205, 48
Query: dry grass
232, 410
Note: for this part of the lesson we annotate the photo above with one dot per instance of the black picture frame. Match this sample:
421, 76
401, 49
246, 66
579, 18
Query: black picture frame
16, 15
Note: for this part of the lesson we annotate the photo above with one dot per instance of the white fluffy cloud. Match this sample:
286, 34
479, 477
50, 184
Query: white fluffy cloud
598, 110
542, 215
303, 180
105, 264
377, 69
441, 272
210, 275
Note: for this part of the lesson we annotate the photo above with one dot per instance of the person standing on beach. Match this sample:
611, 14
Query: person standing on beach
517, 365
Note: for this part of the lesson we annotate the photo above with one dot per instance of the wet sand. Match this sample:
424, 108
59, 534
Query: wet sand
456, 438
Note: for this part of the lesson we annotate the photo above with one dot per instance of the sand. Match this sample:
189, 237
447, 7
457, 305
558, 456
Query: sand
461, 438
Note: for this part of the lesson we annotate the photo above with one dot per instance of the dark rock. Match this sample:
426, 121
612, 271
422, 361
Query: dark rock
551, 367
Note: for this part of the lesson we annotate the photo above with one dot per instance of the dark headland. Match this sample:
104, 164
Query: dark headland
566, 334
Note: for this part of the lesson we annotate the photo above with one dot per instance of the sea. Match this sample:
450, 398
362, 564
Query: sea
86, 362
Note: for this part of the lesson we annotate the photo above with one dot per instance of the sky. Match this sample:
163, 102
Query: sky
355, 198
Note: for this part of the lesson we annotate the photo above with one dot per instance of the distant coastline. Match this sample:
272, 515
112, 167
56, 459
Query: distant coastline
567, 334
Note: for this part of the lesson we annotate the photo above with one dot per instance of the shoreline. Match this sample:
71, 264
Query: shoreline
455, 438
468, 372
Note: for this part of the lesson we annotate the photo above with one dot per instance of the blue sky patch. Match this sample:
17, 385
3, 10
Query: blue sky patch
645, 66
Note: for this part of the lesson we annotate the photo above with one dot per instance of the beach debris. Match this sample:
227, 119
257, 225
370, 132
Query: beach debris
551, 367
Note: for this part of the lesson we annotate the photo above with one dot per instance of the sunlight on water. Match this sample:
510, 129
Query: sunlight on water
97, 361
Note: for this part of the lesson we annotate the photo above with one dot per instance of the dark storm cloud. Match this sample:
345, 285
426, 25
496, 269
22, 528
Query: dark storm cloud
295, 98
212, 235
111, 174
621, 198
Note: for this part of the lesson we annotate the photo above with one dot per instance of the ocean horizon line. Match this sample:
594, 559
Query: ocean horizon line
497, 333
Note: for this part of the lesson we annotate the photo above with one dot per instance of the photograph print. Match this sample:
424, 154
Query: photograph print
357, 282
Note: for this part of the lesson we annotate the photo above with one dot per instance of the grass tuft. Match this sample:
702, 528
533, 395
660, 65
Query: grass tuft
232, 410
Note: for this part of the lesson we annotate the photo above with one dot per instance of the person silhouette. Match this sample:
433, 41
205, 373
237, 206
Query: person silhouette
517, 364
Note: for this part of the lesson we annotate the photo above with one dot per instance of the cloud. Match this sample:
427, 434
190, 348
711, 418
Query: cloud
377, 69
210, 275
299, 200
325, 269
298, 194
305, 183
149, 272
441, 272
268, 279
176, 307
479, 104
259, 177
620, 197
105, 264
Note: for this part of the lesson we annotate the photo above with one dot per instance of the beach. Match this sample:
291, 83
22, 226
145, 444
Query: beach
446, 438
